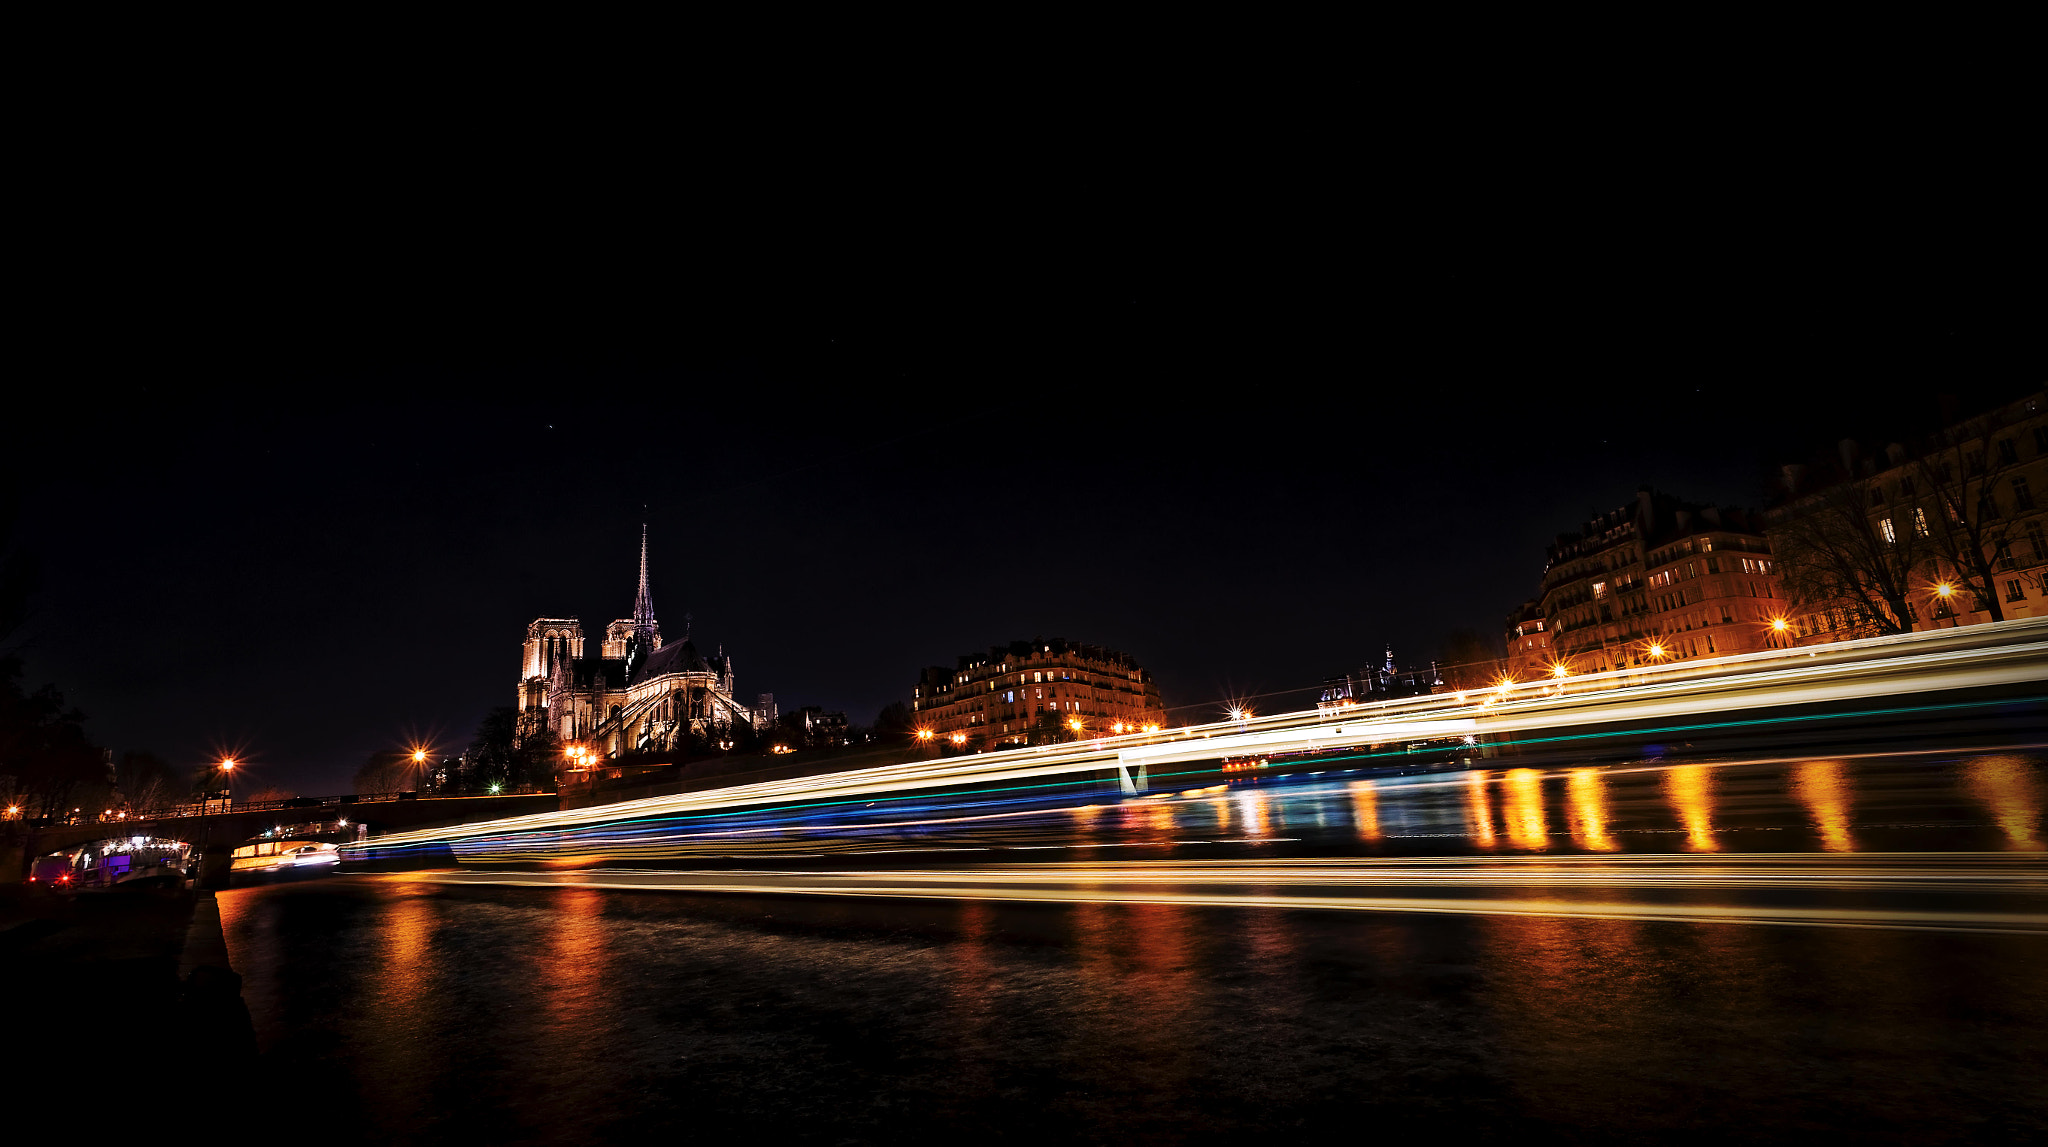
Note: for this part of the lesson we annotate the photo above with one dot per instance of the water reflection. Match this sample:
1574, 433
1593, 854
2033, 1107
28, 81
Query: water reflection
1142, 1002
1588, 810
1599, 1021
409, 925
2011, 790
1690, 788
1251, 808
1823, 787
1527, 827
1365, 810
1478, 810
401, 1003
574, 968
1084, 824
971, 978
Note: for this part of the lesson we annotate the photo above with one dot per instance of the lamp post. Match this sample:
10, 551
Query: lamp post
226, 768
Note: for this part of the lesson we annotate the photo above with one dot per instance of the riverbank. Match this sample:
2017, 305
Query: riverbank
127, 993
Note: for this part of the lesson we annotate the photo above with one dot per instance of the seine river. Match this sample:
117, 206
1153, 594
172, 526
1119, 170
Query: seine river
1875, 972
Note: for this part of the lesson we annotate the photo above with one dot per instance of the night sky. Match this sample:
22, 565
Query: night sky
310, 517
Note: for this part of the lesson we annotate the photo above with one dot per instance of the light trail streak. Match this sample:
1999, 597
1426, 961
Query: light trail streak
2000, 654
1327, 885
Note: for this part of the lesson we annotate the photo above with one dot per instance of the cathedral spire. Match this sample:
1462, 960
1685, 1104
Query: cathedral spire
643, 602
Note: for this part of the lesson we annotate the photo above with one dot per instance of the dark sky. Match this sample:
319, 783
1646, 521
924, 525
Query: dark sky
308, 515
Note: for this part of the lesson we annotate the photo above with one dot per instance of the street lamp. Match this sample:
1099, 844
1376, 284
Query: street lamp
227, 768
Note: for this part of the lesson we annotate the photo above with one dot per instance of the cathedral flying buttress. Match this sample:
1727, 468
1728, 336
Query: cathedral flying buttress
637, 695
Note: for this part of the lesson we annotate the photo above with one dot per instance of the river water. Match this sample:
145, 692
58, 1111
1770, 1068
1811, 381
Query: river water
411, 1010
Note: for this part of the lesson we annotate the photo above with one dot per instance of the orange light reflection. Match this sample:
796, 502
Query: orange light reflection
1690, 788
1527, 827
1365, 810
1823, 788
2011, 790
1588, 810
1478, 811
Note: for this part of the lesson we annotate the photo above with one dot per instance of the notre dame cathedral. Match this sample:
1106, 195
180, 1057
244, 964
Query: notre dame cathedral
638, 695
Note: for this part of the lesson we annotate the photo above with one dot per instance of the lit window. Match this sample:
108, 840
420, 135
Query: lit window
1884, 526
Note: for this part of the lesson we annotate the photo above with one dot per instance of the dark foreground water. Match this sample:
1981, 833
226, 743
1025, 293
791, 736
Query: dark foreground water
1528, 954
400, 1010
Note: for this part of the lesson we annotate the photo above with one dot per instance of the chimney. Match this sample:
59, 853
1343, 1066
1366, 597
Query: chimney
1684, 520
1794, 475
1894, 454
1849, 451
1712, 514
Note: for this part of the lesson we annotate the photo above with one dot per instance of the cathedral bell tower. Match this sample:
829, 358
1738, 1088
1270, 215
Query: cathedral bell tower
550, 642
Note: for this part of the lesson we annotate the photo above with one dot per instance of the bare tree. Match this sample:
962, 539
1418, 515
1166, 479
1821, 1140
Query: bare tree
1472, 660
147, 782
1842, 550
1964, 474
386, 771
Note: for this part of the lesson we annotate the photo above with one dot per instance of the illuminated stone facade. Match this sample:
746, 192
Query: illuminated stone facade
1654, 582
1017, 693
639, 695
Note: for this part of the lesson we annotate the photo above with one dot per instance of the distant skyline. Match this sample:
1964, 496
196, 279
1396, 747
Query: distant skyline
310, 538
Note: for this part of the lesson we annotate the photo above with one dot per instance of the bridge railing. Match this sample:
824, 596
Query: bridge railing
195, 809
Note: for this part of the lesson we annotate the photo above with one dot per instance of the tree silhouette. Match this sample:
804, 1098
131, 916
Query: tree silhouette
1966, 474
1837, 551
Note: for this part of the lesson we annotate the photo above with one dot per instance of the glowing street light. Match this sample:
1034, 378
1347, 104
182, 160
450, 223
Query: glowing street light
925, 734
1944, 589
959, 738
419, 756
1779, 625
1560, 671
1656, 650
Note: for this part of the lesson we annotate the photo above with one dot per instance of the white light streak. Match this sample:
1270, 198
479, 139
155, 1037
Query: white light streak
2001, 653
